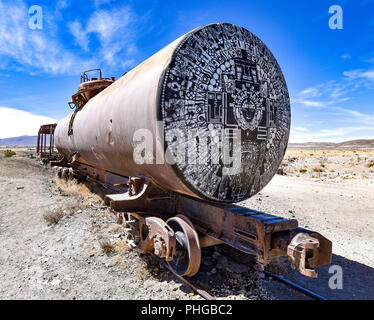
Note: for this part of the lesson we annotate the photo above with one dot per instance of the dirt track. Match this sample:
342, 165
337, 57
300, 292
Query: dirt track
64, 261
61, 261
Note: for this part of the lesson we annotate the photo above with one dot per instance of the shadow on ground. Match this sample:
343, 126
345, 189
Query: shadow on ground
358, 282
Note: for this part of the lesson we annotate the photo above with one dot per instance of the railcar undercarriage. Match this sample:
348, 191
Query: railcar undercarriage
175, 227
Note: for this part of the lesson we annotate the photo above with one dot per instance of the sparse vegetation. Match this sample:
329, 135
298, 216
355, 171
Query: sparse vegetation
149, 266
115, 228
118, 260
9, 153
329, 164
80, 190
53, 217
120, 247
70, 208
106, 246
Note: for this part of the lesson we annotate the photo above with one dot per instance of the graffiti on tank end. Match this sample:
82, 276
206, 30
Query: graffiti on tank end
225, 80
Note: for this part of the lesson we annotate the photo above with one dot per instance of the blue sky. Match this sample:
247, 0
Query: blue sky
329, 73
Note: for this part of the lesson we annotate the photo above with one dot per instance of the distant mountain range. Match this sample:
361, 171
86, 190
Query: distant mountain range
30, 141
22, 141
352, 144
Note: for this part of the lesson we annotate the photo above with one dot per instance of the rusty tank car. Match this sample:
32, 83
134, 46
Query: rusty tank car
200, 125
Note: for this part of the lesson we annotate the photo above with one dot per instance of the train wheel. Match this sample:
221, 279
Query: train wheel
187, 256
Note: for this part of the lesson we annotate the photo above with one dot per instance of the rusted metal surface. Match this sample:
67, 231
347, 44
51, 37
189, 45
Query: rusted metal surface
297, 250
188, 246
147, 234
176, 227
105, 127
88, 88
45, 144
308, 250
223, 81
219, 79
256, 233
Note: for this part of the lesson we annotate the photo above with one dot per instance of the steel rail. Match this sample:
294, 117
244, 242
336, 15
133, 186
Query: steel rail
207, 296
200, 292
296, 286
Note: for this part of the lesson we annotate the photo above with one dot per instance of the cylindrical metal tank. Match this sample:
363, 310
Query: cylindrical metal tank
215, 92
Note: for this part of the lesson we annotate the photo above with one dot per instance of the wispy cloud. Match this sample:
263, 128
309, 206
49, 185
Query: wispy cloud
309, 92
360, 74
14, 123
299, 129
333, 102
333, 135
24, 49
105, 39
79, 34
112, 29
312, 103
99, 3
356, 116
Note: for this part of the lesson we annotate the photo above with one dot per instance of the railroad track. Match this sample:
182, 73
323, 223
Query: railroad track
276, 277
200, 292
295, 286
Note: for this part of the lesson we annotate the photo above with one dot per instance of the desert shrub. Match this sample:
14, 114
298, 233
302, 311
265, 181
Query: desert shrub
106, 246
53, 217
120, 247
9, 153
303, 170
86, 191
371, 164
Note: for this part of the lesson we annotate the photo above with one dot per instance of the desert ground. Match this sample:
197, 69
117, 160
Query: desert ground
59, 241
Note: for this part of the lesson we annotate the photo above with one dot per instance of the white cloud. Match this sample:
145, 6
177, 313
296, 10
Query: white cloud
297, 129
360, 74
356, 116
23, 48
336, 91
112, 29
99, 3
44, 51
14, 123
80, 35
309, 92
334, 134
312, 104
